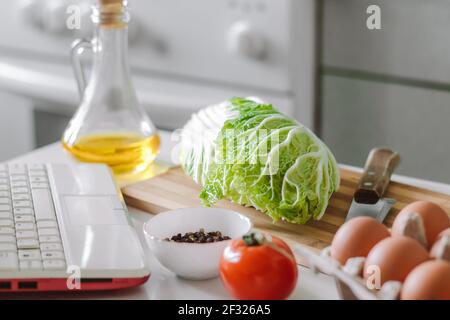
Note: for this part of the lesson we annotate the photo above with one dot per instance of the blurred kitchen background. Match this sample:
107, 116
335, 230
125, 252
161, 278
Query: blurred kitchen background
316, 60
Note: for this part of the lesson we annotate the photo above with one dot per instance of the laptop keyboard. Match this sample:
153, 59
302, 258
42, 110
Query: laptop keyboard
29, 233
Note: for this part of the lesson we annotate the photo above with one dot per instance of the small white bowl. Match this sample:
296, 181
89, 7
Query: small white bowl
195, 261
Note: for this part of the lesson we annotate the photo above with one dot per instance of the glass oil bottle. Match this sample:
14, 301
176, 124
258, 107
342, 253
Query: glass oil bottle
110, 126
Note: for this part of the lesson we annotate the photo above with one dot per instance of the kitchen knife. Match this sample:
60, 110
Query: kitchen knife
368, 199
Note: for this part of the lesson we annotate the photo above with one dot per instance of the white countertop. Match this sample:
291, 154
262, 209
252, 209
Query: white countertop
165, 285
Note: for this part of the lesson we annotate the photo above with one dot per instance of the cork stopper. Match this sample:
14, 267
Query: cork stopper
112, 13
110, 2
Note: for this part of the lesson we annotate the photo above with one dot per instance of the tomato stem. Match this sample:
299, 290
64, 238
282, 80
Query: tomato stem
254, 239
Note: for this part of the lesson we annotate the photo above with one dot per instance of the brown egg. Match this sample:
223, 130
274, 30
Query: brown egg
435, 219
428, 281
356, 237
395, 257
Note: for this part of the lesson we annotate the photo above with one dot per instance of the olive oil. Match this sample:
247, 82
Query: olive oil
124, 153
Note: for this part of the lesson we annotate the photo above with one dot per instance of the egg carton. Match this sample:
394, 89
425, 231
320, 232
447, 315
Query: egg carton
350, 285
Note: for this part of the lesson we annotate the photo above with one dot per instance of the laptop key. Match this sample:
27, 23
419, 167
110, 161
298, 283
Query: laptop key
6, 215
17, 168
27, 244
30, 265
54, 264
36, 167
21, 196
19, 190
52, 255
24, 211
8, 261
22, 204
6, 223
6, 247
7, 231
43, 205
7, 239
34, 254
38, 173
24, 226
51, 247
47, 224
18, 184
48, 232
38, 179
49, 239
23, 218
20, 177
26, 235
39, 185
5, 207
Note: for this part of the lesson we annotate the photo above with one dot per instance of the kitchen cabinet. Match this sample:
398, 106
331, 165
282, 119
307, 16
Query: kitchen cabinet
16, 126
412, 43
359, 114
388, 87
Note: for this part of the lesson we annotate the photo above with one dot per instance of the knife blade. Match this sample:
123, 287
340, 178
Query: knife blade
368, 199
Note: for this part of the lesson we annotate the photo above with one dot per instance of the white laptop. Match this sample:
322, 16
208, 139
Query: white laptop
65, 227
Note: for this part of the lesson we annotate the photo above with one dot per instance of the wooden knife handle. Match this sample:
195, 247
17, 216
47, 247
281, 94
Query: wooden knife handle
376, 176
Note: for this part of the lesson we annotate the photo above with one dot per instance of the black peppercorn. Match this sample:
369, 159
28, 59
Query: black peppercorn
199, 237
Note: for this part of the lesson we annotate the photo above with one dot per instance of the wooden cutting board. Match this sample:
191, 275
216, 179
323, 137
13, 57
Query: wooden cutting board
174, 189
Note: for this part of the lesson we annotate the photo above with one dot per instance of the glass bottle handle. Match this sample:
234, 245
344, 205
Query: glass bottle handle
78, 47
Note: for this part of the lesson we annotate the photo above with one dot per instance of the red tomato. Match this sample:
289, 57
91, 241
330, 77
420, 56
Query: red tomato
258, 267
